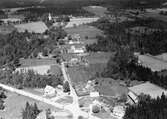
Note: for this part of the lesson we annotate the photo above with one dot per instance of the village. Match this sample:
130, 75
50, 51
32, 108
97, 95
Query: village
78, 91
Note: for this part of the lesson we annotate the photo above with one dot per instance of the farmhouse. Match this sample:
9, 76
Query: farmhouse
77, 50
36, 27
152, 62
147, 88
49, 91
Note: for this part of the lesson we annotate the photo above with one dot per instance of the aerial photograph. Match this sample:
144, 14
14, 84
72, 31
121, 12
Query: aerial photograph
83, 59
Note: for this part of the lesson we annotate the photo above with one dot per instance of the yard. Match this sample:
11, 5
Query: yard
15, 104
87, 33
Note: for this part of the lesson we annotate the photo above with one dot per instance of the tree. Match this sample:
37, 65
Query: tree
66, 86
30, 111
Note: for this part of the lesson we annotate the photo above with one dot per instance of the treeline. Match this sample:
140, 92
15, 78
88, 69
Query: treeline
148, 108
30, 111
74, 9
137, 4
2, 97
29, 79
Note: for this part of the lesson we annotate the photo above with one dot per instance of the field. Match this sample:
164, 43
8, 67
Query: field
15, 103
97, 10
85, 31
36, 27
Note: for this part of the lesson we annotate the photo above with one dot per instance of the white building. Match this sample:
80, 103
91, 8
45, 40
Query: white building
73, 42
77, 50
94, 94
119, 111
49, 91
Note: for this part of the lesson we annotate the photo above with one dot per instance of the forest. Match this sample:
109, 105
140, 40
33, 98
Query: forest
148, 108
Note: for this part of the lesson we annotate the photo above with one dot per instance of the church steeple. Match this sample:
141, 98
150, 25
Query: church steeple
50, 17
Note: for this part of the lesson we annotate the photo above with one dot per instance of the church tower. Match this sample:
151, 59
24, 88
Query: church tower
50, 17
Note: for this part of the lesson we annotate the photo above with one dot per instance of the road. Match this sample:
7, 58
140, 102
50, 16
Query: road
74, 107
33, 96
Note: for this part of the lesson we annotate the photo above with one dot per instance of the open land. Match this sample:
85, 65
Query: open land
15, 103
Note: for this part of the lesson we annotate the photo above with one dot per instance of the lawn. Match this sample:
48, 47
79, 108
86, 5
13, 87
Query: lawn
85, 31
15, 103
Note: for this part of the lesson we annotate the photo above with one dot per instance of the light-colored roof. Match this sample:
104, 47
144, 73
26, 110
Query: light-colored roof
152, 62
133, 96
148, 89
80, 21
10, 20
36, 27
42, 70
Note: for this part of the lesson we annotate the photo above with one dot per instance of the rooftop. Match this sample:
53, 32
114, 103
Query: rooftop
152, 62
148, 89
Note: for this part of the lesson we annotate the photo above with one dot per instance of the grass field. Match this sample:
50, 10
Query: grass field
36, 27
85, 31
15, 103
